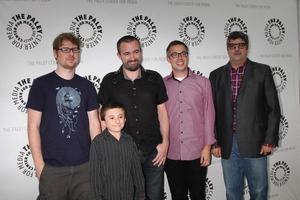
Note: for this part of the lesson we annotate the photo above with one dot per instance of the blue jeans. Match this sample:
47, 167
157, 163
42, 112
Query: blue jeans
154, 177
236, 168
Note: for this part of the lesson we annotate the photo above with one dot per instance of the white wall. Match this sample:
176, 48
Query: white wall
272, 42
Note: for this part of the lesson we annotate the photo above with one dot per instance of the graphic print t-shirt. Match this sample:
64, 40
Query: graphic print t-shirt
64, 127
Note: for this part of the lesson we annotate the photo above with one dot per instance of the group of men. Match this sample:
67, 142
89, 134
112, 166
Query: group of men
176, 122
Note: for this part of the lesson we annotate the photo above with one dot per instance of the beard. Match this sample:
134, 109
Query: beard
132, 67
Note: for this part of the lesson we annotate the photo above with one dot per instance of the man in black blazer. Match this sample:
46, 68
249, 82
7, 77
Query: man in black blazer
247, 119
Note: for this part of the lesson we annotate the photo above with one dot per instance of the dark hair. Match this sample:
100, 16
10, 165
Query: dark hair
127, 38
176, 42
238, 35
109, 106
57, 42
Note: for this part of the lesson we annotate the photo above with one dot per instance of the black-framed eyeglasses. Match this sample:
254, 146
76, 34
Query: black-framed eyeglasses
176, 54
240, 45
68, 50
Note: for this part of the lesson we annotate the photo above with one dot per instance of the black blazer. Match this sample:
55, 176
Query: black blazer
258, 111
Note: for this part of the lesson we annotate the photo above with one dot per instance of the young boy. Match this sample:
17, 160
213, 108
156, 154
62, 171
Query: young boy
115, 169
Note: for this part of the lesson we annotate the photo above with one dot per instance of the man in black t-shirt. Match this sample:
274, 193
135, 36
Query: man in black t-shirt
143, 94
62, 120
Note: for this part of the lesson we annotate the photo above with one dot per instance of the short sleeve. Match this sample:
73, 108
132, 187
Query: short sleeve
36, 99
92, 98
102, 96
162, 92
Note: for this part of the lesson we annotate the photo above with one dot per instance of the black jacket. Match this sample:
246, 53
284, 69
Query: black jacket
258, 110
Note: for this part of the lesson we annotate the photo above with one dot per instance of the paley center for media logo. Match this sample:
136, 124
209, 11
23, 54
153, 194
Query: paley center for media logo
209, 189
25, 162
24, 31
280, 78
283, 128
20, 92
280, 173
95, 80
143, 28
274, 31
235, 24
197, 72
191, 31
88, 29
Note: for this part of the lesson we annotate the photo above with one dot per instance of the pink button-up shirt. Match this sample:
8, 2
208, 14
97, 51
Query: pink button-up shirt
191, 113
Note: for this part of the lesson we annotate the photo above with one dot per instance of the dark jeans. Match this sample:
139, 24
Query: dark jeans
154, 177
184, 176
64, 183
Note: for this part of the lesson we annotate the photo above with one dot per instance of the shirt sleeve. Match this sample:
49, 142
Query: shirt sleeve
209, 115
92, 98
35, 99
162, 92
272, 109
212, 79
102, 96
95, 175
137, 175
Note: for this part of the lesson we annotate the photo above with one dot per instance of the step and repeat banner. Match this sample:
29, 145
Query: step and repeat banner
28, 27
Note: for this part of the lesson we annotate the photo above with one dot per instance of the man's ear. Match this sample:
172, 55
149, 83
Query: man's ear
119, 55
55, 54
168, 59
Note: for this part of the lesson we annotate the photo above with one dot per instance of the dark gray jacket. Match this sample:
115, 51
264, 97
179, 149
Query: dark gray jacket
258, 110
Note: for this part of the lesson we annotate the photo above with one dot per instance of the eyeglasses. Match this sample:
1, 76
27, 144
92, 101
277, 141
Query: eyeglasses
176, 54
241, 45
68, 50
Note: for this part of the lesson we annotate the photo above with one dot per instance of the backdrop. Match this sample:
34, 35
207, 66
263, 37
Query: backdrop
28, 27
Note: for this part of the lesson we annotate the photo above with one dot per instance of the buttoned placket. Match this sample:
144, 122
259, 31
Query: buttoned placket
135, 108
181, 106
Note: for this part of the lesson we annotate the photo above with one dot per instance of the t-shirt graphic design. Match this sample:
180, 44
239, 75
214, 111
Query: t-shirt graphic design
67, 103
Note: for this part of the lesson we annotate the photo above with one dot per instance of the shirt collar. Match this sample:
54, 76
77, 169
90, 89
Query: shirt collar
109, 136
240, 68
140, 75
190, 74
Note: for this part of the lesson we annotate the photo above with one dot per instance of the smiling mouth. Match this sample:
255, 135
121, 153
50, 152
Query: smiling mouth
132, 62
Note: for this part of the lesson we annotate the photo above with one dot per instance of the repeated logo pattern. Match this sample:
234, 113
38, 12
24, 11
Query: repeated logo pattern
143, 28
191, 31
88, 29
20, 93
24, 31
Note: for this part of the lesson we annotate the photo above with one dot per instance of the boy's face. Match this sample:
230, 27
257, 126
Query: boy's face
114, 120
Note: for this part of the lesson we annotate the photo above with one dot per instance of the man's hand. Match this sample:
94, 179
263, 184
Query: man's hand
162, 150
266, 150
216, 151
205, 156
38, 170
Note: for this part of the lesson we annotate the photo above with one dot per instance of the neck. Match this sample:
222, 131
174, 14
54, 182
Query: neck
237, 64
67, 74
116, 135
180, 74
132, 75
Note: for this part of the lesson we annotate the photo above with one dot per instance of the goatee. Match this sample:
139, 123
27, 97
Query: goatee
132, 68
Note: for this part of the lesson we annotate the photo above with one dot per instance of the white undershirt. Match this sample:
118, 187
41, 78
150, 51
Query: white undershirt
179, 78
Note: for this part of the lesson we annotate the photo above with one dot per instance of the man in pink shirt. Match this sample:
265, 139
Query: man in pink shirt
191, 114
